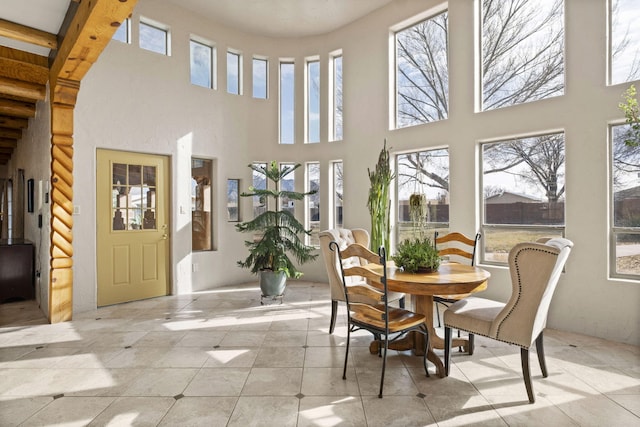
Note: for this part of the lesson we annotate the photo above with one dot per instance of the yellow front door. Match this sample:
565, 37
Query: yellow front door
133, 229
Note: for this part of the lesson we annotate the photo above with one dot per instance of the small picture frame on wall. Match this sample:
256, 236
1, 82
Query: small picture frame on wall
233, 196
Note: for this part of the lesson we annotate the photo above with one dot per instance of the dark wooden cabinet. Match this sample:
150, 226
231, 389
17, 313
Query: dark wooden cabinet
16, 270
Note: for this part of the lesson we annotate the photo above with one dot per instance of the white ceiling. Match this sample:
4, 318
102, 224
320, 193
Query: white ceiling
273, 18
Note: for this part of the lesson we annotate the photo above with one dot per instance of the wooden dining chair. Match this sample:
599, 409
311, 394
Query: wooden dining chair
457, 247
386, 323
535, 270
344, 237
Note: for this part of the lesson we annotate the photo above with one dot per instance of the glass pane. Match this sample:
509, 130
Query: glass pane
313, 101
287, 95
338, 194
201, 68
313, 204
260, 78
498, 242
626, 170
122, 33
628, 253
258, 181
134, 175
625, 41
522, 51
423, 192
118, 219
153, 39
149, 176
422, 74
287, 184
233, 73
149, 219
119, 174
337, 98
201, 199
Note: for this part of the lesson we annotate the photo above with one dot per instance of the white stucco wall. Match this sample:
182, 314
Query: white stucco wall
136, 100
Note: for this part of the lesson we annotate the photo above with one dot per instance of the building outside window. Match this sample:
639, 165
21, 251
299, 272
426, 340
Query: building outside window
336, 98
287, 102
522, 51
201, 204
312, 215
624, 38
422, 179
260, 78
625, 205
201, 64
313, 101
154, 37
422, 72
234, 73
523, 185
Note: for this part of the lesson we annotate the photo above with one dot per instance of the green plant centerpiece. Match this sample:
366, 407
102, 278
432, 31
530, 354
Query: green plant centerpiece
417, 255
276, 233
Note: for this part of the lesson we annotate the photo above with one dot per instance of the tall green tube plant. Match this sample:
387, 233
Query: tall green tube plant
378, 202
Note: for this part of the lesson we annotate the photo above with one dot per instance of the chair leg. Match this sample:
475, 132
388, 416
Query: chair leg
426, 350
526, 373
541, 358
401, 302
447, 349
334, 314
346, 353
438, 315
472, 340
384, 364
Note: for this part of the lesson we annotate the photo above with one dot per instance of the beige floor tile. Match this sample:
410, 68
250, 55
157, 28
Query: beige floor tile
231, 357
201, 338
273, 382
331, 411
631, 402
160, 382
329, 382
526, 414
69, 411
243, 339
400, 411
183, 357
14, 410
280, 357
463, 411
285, 339
200, 412
265, 411
594, 411
325, 357
218, 382
134, 411
397, 382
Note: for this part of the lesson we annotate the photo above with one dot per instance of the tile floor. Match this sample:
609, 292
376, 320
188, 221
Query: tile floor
220, 358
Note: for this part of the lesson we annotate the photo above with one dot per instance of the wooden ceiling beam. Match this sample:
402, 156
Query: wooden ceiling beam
17, 108
8, 143
25, 66
27, 34
13, 122
19, 88
91, 29
10, 133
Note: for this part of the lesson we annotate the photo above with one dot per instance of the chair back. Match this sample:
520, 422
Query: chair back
458, 245
343, 238
364, 303
535, 270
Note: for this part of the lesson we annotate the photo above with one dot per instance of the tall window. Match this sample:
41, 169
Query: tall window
201, 64
336, 98
201, 199
313, 101
260, 78
522, 51
625, 192
288, 183
123, 33
258, 181
338, 194
422, 72
422, 193
313, 203
287, 97
234, 72
624, 50
154, 37
523, 193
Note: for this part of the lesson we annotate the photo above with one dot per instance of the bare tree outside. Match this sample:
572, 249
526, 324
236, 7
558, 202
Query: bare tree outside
625, 41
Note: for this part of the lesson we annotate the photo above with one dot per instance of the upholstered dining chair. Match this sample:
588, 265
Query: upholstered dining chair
459, 248
386, 323
535, 270
344, 237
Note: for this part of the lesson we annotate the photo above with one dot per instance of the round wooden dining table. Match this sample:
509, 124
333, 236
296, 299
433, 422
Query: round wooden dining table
450, 279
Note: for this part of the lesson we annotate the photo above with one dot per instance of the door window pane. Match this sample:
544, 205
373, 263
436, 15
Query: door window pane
133, 198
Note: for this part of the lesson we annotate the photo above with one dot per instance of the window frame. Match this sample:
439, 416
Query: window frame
313, 239
212, 63
127, 31
266, 76
336, 115
333, 208
238, 79
209, 164
282, 63
312, 93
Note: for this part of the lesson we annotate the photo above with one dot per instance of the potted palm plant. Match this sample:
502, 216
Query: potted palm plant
276, 233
